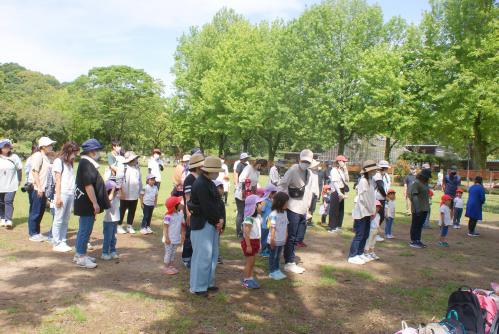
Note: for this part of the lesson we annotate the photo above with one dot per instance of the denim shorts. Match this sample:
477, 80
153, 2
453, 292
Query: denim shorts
444, 230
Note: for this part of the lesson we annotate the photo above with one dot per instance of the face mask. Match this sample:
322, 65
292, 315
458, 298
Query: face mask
341, 164
155, 156
97, 156
304, 165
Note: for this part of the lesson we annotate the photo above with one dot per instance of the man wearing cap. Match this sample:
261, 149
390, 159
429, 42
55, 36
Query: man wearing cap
383, 183
452, 181
155, 166
179, 174
206, 225
420, 205
40, 164
408, 181
294, 183
339, 188
131, 188
90, 199
196, 161
10, 179
239, 166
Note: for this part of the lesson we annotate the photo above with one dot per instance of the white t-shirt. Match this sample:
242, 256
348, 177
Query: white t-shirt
458, 202
375, 221
67, 177
150, 193
338, 178
223, 177
153, 165
132, 182
446, 211
365, 205
249, 172
174, 222
113, 213
256, 226
279, 220
390, 209
9, 166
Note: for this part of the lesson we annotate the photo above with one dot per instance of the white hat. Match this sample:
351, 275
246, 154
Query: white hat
45, 141
314, 164
186, 158
383, 164
130, 156
243, 156
306, 155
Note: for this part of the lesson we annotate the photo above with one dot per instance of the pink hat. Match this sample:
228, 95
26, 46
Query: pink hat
250, 204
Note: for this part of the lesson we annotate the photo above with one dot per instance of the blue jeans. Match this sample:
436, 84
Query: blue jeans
361, 228
204, 258
458, 213
36, 213
85, 227
147, 212
7, 205
109, 242
265, 245
302, 229
61, 219
295, 220
274, 256
388, 226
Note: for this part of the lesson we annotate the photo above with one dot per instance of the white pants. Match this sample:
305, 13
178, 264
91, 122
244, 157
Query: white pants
371, 241
170, 251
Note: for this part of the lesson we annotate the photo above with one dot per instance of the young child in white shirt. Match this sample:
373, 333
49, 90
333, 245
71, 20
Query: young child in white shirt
373, 232
389, 213
278, 233
252, 230
173, 232
110, 224
148, 201
445, 219
458, 208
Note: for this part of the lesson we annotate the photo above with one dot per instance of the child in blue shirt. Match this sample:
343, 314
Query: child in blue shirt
270, 191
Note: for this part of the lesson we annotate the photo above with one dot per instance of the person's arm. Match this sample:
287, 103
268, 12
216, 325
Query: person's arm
89, 189
444, 184
156, 200
272, 237
141, 199
187, 211
58, 199
182, 231
414, 197
284, 181
482, 195
166, 238
247, 231
111, 194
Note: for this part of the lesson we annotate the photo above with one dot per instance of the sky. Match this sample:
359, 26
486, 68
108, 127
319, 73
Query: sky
66, 38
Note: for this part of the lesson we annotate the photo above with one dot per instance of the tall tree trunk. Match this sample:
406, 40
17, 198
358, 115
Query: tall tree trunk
221, 144
479, 145
388, 148
341, 139
246, 142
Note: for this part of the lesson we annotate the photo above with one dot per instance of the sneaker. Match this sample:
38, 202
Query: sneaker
366, 258
293, 268
8, 224
62, 248
2, 222
414, 244
85, 262
356, 260
374, 256
90, 246
274, 276
455, 227
199, 293
280, 274
333, 230
422, 244
149, 230
170, 271
130, 229
473, 234
114, 255
121, 230
379, 238
106, 257
143, 231
250, 284
37, 238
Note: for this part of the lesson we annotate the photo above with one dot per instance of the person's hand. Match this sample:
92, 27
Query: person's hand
58, 202
373, 216
39, 193
220, 225
96, 209
249, 250
222, 230
142, 205
272, 243
167, 241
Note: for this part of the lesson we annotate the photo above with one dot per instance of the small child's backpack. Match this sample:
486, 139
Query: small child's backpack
466, 308
406, 329
489, 306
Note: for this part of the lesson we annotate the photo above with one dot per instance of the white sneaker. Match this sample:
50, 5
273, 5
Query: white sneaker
356, 260
389, 236
106, 257
89, 246
37, 238
144, 231
114, 255
149, 230
76, 257
62, 248
293, 268
130, 229
121, 230
85, 262
366, 258
379, 238
8, 224
2, 222
374, 256
455, 227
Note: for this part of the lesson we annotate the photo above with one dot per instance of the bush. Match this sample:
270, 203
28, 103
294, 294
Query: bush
401, 169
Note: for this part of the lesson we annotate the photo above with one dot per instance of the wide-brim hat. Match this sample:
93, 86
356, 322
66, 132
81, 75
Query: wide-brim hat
45, 141
150, 176
244, 155
186, 158
369, 165
212, 165
90, 145
307, 155
383, 164
196, 160
5, 142
110, 184
130, 156
250, 204
314, 164
270, 188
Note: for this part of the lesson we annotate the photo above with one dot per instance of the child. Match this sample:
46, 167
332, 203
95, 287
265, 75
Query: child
458, 208
324, 209
445, 220
369, 254
110, 225
220, 187
268, 195
173, 232
427, 220
252, 229
389, 213
148, 201
278, 233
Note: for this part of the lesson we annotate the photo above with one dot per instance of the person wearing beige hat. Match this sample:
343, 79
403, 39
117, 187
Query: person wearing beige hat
314, 186
40, 164
179, 174
131, 188
196, 161
206, 222
364, 209
296, 183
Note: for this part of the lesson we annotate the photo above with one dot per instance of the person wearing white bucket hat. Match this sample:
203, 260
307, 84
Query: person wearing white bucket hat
383, 183
131, 188
40, 165
296, 183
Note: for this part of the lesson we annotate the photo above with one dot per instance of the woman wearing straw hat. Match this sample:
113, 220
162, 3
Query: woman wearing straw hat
130, 190
364, 209
206, 225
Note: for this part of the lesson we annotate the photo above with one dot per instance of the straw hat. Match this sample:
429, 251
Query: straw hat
369, 165
212, 165
196, 160
130, 156
314, 164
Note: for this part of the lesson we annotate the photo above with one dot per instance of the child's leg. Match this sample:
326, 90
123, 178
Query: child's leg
272, 259
168, 255
149, 218
371, 240
112, 244
388, 226
106, 226
278, 257
172, 259
248, 268
444, 232
457, 216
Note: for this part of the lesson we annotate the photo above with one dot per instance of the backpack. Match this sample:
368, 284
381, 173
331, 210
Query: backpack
406, 329
488, 305
467, 310
449, 325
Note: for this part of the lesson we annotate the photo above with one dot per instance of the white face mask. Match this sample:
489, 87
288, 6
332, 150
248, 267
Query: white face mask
341, 164
97, 156
155, 156
304, 165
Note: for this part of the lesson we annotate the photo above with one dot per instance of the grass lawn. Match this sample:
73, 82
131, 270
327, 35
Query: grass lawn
43, 292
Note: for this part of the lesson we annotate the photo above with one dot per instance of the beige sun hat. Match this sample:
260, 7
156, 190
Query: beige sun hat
369, 165
130, 156
314, 164
212, 165
196, 160
186, 158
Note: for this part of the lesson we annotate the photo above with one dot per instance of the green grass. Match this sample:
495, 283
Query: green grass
330, 271
76, 313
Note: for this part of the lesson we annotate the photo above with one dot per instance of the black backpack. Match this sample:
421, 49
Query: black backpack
468, 309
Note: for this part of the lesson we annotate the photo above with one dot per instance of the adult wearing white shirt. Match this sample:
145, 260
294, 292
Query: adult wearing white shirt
339, 189
294, 183
274, 176
130, 190
238, 168
313, 185
10, 179
224, 178
363, 211
383, 183
155, 166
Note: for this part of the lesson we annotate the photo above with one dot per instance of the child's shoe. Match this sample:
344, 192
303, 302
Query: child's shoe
143, 231
170, 271
114, 255
85, 262
273, 275
373, 256
121, 230
379, 238
280, 275
130, 229
149, 230
366, 258
106, 257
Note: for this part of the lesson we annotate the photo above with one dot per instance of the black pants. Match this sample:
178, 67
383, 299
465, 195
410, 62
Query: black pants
336, 211
313, 204
472, 225
131, 206
418, 219
239, 218
187, 248
226, 195
382, 212
147, 212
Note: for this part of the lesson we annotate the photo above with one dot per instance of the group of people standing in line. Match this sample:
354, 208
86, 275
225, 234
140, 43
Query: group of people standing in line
270, 220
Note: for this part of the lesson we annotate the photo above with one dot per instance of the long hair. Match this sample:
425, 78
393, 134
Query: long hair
67, 150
